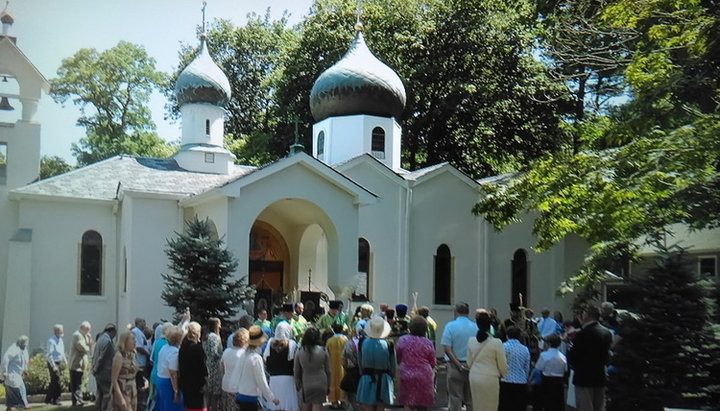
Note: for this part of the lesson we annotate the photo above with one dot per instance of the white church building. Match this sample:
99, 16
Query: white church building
346, 221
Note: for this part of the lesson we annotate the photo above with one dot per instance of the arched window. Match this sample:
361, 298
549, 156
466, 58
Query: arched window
207, 127
519, 273
321, 143
91, 264
363, 284
378, 142
443, 276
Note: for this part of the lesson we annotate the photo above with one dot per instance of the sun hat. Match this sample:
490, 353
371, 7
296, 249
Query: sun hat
257, 336
377, 328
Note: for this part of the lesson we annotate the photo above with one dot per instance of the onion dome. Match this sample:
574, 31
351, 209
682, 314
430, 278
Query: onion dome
357, 84
6, 18
202, 81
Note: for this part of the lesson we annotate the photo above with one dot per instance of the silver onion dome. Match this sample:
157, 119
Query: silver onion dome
357, 84
202, 81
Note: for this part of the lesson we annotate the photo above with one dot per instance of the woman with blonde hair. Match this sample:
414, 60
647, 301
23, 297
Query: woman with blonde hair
123, 393
168, 390
249, 374
192, 371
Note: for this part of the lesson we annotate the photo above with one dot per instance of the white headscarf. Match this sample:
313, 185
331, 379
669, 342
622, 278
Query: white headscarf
283, 332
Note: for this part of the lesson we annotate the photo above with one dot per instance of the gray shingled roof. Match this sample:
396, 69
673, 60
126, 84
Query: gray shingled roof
100, 181
415, 175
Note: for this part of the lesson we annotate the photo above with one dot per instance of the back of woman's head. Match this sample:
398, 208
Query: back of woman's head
123, 341
174, 336
418, 326
241, 338
311, 337
482, 319
193, 331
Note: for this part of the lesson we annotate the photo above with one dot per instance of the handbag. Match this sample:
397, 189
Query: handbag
350, 380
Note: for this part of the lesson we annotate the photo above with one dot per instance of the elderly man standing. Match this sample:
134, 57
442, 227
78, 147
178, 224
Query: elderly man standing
55, 352
78, 360
455, 341
13, 368
102, 366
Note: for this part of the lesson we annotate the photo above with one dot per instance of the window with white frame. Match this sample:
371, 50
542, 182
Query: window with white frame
91, 249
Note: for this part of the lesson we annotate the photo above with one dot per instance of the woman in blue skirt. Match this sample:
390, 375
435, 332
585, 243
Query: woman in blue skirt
377, 365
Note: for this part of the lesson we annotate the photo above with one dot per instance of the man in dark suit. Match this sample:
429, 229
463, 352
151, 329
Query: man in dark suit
588, 356
102, 366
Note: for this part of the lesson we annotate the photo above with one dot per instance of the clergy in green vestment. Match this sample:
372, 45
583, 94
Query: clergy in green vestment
333, 316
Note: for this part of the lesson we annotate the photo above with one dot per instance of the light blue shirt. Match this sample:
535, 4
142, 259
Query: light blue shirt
55, 350
547, 326
456, 335
518, 359
140, 341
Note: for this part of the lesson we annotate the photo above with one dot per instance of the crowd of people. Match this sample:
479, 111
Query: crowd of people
366, 361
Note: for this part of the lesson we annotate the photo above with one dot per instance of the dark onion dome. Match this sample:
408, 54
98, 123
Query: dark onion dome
357, 84
202, 81
6, 19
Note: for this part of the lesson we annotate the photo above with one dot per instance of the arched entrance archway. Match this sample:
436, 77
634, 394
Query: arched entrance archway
290, 245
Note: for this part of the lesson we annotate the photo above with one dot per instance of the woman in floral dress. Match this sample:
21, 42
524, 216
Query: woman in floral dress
212, 345
416, 357
123, 392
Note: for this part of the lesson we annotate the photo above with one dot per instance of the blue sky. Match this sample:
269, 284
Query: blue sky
49, 30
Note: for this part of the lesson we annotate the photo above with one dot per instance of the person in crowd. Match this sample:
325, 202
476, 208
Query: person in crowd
351, 366
13, 367
558, 317
249, 374
55, 354
312, 371
287, 313
424, 312
390, 317
262, 319
377, 364
454, 340
487, 363
228, 363
416, 358
363, 314
142, 349
123, 394
159, 343
168, 391
102, 360
301, 323
245, 321
609, 316
334, 347
588, 356
400, 326
547, 325
381, 310
279, 356
553, 366
212, 345
78, 360
192, 371
513, 387
333, 316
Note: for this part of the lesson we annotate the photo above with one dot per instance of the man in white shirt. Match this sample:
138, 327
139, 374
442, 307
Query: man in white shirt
454, 341
553, 365
13, 367
142, 358
55, 353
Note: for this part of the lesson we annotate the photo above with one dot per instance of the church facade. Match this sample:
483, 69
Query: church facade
345, 221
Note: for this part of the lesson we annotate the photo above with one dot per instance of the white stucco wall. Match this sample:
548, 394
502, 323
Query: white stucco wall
383, 225
441, 214
57, 229
152, 222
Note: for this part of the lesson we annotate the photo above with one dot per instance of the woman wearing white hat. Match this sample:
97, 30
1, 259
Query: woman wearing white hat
377, 364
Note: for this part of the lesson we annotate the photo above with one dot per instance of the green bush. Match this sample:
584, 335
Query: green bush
2, 390
38, 378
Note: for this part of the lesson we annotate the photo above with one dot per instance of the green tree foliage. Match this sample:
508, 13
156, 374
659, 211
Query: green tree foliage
203, 275
476, 95
252, 57
649, 163
112, 89
52, 166
664, 357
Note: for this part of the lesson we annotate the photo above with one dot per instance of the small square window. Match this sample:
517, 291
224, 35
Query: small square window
707, 266
209, 157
